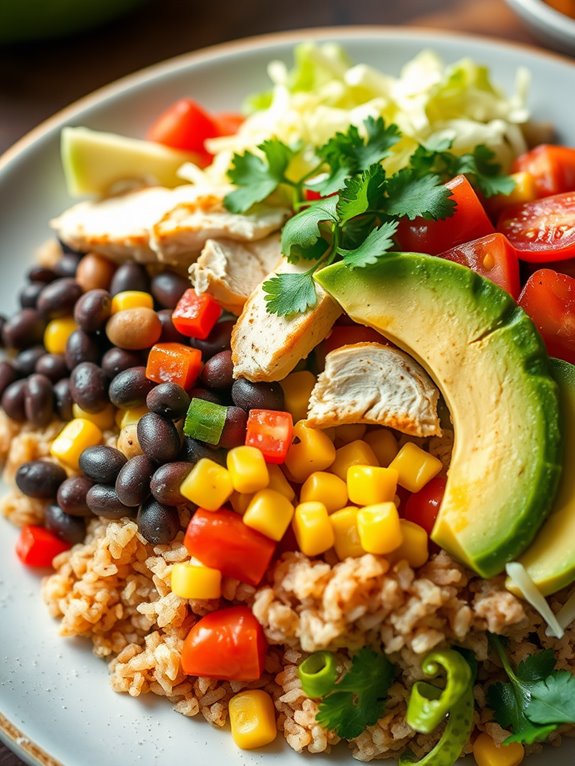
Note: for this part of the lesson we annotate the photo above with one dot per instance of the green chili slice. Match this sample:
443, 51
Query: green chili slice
318, 674
205, 421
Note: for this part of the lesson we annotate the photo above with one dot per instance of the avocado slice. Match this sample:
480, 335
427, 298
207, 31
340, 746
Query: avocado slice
550, 560
94, 160
487, 358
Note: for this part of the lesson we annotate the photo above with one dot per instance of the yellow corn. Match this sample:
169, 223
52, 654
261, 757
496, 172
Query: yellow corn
252, 719
383, 443
73, 440
131, 299
524, 191
368, 484
248, 469
57, 333
379, 528
312, 528
270, 513
354, 453
279, 482
350, 433
104, 419
415, 467
415, 544
326, 488
208, 485
240, 501
346, 535
130, 416
194, 580
310, 451
487, 753
297, 389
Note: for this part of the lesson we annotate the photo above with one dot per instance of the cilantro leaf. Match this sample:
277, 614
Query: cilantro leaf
257, 177
414, 197
377, 242
360, 193
487, 174
380, 138
508, 702
536, 667
290, 293
358, 700
302, 231
553, 699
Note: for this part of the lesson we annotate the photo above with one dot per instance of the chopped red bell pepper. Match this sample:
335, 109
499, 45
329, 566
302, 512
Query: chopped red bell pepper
174, 363
37, 546
271, 432
195, 315
422, 507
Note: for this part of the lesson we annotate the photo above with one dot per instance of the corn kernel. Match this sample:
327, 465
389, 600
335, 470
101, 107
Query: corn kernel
131, 299
252, 719
130, 416
104, 419
487, 753
379, 528
279, 482
312, 528
326, 488
368, 484
354, 453
297, 389
208, 485
523, 191
240, 501
346, 535
270, 513
310, 451
415, 544
248, 469
349, 433
57, 333
384, 445
415, 467
190, 580
73, 440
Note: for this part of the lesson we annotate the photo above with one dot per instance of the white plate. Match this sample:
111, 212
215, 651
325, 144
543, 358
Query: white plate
549, 25
54, 693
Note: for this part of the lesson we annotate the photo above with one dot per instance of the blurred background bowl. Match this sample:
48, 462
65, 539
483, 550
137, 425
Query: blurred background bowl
550, 26
26, 20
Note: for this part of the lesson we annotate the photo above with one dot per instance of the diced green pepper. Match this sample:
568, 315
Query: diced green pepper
205, 421
318, 674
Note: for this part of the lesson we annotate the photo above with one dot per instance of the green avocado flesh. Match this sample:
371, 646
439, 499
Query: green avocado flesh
487, 358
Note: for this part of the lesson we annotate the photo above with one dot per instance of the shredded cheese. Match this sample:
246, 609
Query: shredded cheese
566, 614
518, 574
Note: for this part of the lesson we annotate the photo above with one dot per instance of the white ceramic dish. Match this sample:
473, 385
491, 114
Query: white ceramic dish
55, 702
548, 25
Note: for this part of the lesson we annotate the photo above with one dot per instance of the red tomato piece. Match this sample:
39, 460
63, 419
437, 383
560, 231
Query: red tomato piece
469, 221
344, 335
549, 299
228, 644
37, 546
422, 507
552, 168
195, 315
228, 122
174, 363
271, 432
185, 125
492, 257
221, 540
543, 230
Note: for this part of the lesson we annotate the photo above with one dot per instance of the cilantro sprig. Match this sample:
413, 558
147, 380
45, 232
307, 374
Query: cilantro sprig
361, 206
537, 698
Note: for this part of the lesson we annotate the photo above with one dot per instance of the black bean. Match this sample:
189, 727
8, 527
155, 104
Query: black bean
218, 340
28, 296
133, 482
81, 347
102, 464
203, 393
25, 362
71, 496
68, 264
193, 450
169, 332
116, 360
41, 274
53, 366
130, 388
130, 276
7, 375
3, 321
24, 329
218, 371
158, 437
167, 287
72, 529
259, 396
234, 431
58, 298
63, 399
89, 387
92, 310
166, 481
103, 501
13, 400
168, 400
40, 478
39, 400
69, 250
158, 523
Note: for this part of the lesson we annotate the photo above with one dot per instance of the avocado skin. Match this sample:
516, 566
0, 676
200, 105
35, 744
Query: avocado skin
453, 320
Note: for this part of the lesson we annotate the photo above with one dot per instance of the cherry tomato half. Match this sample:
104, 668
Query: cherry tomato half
185, 125
422, 507
552, 168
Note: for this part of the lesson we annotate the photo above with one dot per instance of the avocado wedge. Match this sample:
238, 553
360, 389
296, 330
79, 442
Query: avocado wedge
487, 358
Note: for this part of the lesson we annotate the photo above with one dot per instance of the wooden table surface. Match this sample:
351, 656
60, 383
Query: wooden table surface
38, 79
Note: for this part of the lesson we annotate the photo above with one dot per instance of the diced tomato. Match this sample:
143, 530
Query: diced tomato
174, 363
344, 335
549, 299
228, 123
271, 432
552, 168
221, 540
195, 315
228, 644
492, 257
543, 230
37, 546
185, 125
469, 221
422, 507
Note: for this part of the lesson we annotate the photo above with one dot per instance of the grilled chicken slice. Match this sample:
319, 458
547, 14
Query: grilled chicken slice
376, 384
231, 271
